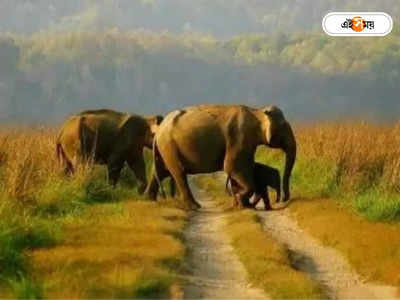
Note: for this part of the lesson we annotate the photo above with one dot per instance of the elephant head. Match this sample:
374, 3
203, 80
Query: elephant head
278, 134
153, 122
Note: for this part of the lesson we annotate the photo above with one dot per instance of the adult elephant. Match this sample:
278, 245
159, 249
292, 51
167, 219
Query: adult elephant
210, 138
107, 137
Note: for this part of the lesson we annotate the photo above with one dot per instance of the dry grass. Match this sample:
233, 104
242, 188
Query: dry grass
28, 160
364, 154
267, 262
71, 237
372, 248
115, 251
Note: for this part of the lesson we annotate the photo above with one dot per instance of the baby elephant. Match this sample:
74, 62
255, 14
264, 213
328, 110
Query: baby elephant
264, 177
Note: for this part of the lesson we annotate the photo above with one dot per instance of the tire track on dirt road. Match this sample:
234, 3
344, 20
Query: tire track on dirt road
323, 264
215, 270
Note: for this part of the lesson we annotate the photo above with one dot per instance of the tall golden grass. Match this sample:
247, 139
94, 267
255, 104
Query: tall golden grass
349, 157
44, 211
28, 163
362, 153
357, 155
354, 155
27, 160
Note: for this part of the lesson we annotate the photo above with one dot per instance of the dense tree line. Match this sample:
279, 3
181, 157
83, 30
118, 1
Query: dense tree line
50, 74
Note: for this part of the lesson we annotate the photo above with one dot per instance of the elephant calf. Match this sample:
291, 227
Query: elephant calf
107, 137
264, 177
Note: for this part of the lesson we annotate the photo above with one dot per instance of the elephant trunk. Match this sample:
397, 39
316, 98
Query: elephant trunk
290, 150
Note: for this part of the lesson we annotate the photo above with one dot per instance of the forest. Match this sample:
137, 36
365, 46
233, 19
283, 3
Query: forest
49, 74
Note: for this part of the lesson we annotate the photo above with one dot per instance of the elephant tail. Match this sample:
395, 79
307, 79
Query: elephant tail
60, 153
155, 154
227, 189
82, 137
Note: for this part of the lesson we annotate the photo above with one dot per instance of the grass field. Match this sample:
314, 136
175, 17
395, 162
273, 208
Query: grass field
77, 237
358, 164
61, 236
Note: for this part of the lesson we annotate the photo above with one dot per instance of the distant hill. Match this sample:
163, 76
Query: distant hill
310, 75
223, 18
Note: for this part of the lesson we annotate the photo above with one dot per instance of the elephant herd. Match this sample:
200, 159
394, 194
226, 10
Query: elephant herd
193, 140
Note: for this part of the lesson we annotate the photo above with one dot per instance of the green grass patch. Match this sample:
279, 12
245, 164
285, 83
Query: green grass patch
20, 232
153, 287
127, 249
310, 177
16, 237
378, 205
363, 191
70, 196
26, 288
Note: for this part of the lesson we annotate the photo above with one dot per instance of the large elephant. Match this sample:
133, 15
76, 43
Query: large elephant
210, 138
107, 137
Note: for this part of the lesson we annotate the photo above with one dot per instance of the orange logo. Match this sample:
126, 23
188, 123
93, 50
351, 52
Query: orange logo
357, 24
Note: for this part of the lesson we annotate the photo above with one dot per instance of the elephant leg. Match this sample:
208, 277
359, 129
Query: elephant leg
234, 191
245, 189
153, 186
114, 166
139, 168
256, 199
184, 190
175, 168
158, 173
114, 172
267, 204
235, 201
172, 187
239, 166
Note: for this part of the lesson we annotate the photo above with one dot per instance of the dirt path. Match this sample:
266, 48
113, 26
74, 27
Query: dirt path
216, 272
324, 264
